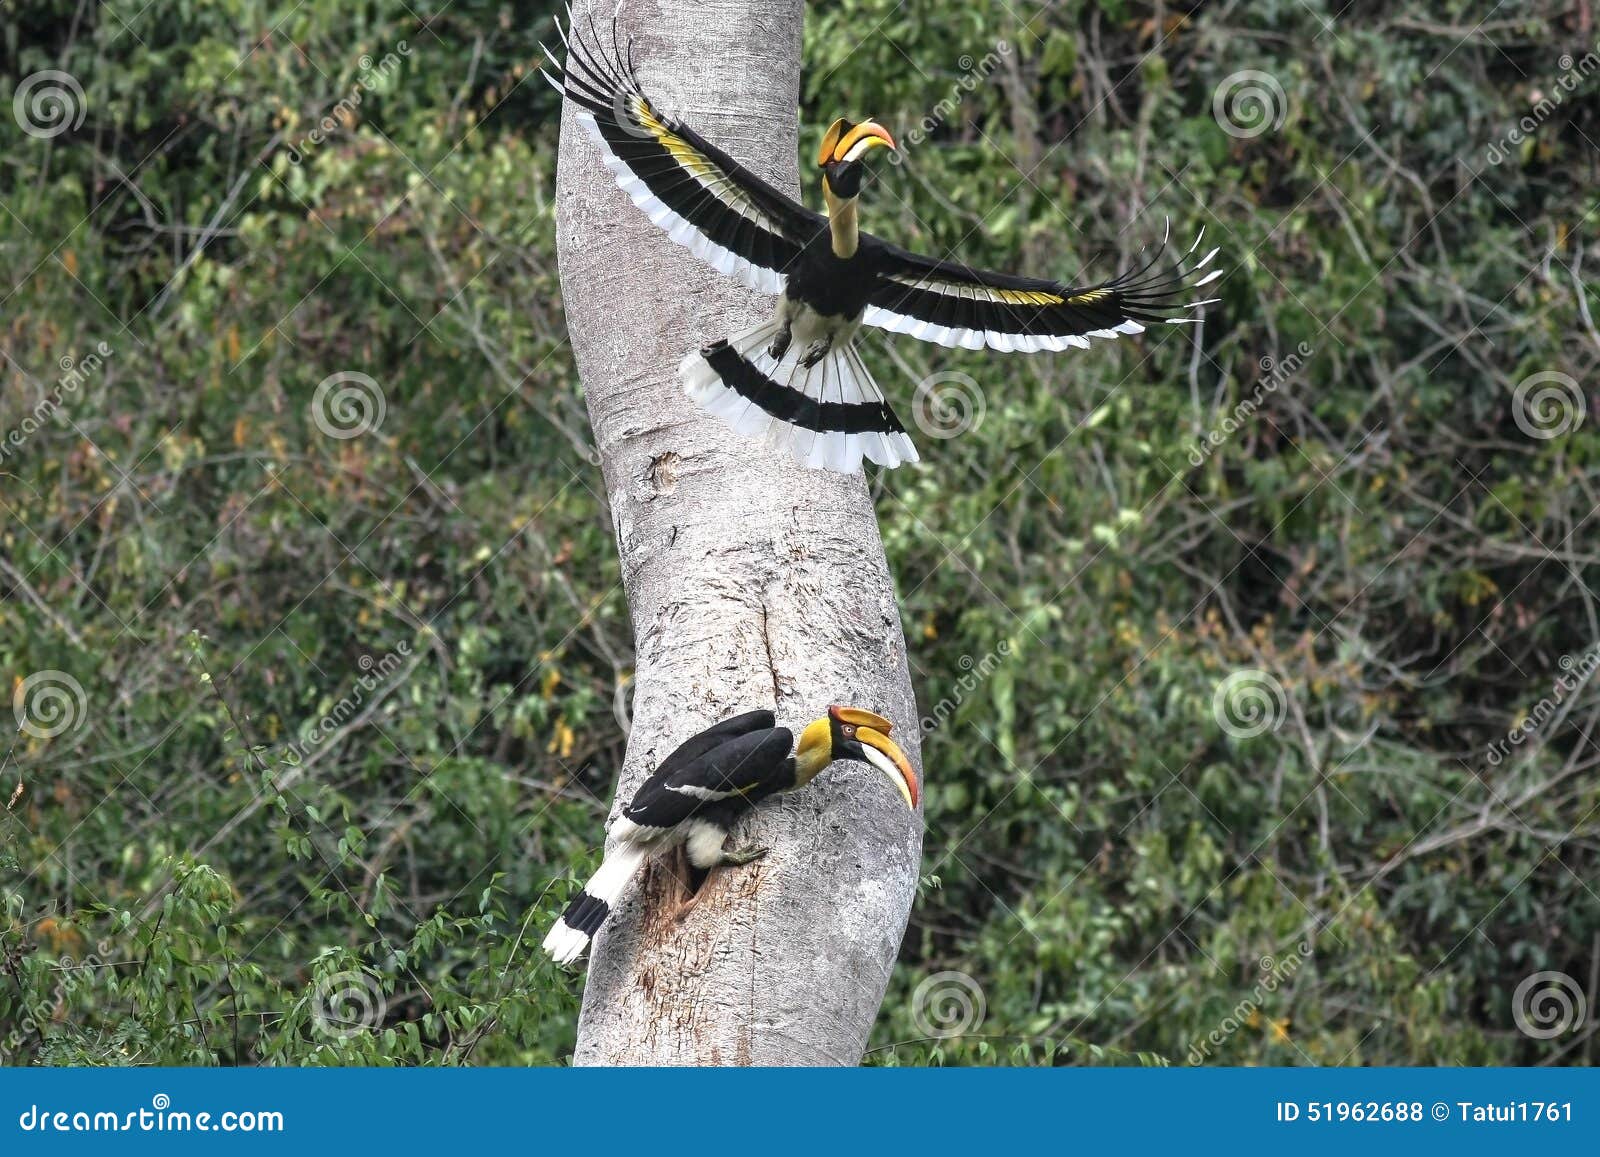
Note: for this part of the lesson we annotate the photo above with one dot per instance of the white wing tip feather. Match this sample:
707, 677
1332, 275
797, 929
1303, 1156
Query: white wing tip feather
677, 229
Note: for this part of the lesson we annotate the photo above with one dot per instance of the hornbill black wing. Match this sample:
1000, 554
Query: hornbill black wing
695, 746
955, 305
735, 767
703, 198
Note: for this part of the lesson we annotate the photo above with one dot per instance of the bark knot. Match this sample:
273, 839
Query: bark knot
663, 473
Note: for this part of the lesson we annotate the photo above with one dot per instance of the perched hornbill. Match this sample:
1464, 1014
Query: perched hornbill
699, 790
797, 380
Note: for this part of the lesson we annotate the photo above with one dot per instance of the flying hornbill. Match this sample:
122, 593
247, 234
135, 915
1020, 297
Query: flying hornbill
703, 787
797, 380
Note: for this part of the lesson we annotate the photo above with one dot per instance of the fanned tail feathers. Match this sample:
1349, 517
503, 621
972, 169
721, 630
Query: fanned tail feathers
589, 909
828, 416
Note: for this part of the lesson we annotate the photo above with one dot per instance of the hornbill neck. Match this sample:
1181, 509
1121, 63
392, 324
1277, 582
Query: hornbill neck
808, 764
841, 222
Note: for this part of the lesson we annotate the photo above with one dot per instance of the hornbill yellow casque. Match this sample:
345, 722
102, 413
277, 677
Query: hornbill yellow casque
797, 379
699, 790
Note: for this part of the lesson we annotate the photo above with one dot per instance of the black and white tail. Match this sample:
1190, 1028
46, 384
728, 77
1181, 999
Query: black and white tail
589, 909
829, 416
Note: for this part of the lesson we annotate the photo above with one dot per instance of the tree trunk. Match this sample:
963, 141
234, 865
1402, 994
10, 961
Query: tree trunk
752, 582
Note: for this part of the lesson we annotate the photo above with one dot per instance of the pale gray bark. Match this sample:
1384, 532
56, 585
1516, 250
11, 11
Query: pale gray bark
752, 583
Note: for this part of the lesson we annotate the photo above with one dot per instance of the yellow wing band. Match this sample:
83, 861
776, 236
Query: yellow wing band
681, 151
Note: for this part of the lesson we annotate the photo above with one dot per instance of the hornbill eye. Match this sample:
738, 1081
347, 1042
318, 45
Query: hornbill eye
864, 735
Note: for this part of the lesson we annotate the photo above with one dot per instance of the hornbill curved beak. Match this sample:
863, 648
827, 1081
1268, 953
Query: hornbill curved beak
864, 735
845, 142
885, 755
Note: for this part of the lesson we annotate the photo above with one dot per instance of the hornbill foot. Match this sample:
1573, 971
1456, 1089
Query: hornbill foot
815, 352
737, 857
688, 879
685, 908
780, 344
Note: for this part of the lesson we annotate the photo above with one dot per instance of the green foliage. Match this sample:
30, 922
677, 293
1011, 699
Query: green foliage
344, 717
